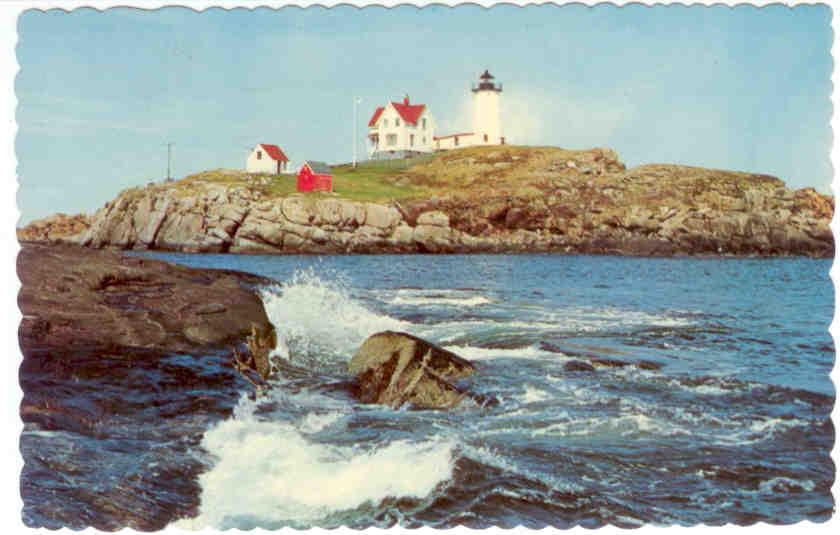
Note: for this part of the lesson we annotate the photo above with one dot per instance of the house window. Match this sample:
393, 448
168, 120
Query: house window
259, 155
456, 141
385, 123
424, 140
397, 122
391, 140
424, 124
485, 138
411, 140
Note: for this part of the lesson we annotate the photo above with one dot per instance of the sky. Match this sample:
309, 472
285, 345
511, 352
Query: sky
100, 94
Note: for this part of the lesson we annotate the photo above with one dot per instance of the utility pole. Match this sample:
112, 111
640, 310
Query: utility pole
169, 161
356, 102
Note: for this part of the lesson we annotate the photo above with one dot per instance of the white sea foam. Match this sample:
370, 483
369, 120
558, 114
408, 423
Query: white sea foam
448, 331
626, 519
784, 485
43, 433
591, 319
316, 318
624, 425
484, 353
575, 320
437, 299
533, 394
269, 473
769, 426
707, 389
314, 422
573, 394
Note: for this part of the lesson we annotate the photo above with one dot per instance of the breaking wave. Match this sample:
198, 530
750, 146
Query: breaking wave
314, 459
270, 473
319, 322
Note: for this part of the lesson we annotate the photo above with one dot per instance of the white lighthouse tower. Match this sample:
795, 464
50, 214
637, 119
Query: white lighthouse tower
487, 124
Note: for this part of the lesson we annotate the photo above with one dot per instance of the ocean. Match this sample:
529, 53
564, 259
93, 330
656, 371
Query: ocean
728, 421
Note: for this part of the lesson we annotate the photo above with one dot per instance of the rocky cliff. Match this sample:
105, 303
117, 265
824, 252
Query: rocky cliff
489, 199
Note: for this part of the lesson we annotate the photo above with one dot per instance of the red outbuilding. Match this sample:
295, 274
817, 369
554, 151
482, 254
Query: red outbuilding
314, 176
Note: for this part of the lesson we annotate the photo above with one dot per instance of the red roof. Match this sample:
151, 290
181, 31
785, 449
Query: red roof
409, 112
274, 152
376, 115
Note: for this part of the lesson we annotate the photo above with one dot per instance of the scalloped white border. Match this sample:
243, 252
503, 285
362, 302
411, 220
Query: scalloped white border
10, 458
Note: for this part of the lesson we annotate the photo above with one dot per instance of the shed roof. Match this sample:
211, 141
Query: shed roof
319, 168
274, 152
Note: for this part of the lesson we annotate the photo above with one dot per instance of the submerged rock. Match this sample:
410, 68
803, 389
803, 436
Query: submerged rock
578, 366
602, 362
394, 368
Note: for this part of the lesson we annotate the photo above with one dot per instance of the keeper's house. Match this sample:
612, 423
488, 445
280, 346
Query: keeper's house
268, 159
400, 130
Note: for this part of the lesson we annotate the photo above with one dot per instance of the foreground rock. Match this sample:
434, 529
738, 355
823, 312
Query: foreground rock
478, 200
79, 300
393, 368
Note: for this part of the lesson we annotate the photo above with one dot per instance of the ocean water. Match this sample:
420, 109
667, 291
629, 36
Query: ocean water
733, 428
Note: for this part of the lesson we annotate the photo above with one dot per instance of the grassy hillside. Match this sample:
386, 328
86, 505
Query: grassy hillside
523, 172
369, 181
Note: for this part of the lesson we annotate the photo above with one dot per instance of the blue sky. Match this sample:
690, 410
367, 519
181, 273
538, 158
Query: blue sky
101, 93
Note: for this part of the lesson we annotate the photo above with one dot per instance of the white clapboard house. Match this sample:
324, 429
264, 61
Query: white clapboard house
400, 130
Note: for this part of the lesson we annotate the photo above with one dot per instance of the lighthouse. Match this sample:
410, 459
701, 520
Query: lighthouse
487, 123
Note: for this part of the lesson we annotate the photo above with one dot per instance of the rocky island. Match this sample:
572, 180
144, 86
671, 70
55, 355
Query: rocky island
501, 199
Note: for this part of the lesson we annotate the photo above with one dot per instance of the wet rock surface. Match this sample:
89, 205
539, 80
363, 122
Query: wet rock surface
393, 368
77, 299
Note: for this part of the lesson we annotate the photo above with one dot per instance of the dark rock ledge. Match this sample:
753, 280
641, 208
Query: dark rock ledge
78, 300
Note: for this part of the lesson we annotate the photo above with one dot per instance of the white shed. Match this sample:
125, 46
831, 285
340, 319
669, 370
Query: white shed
266, 158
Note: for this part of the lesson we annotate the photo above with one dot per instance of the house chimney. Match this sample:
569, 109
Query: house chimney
405, 100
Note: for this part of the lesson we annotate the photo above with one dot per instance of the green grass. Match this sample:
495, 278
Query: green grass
373, 181
282, 185
369, 181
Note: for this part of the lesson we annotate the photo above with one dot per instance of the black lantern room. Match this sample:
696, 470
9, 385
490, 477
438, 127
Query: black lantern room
487, 83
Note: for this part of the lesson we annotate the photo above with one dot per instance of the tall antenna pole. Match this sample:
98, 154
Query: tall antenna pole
169, 161
356, 101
